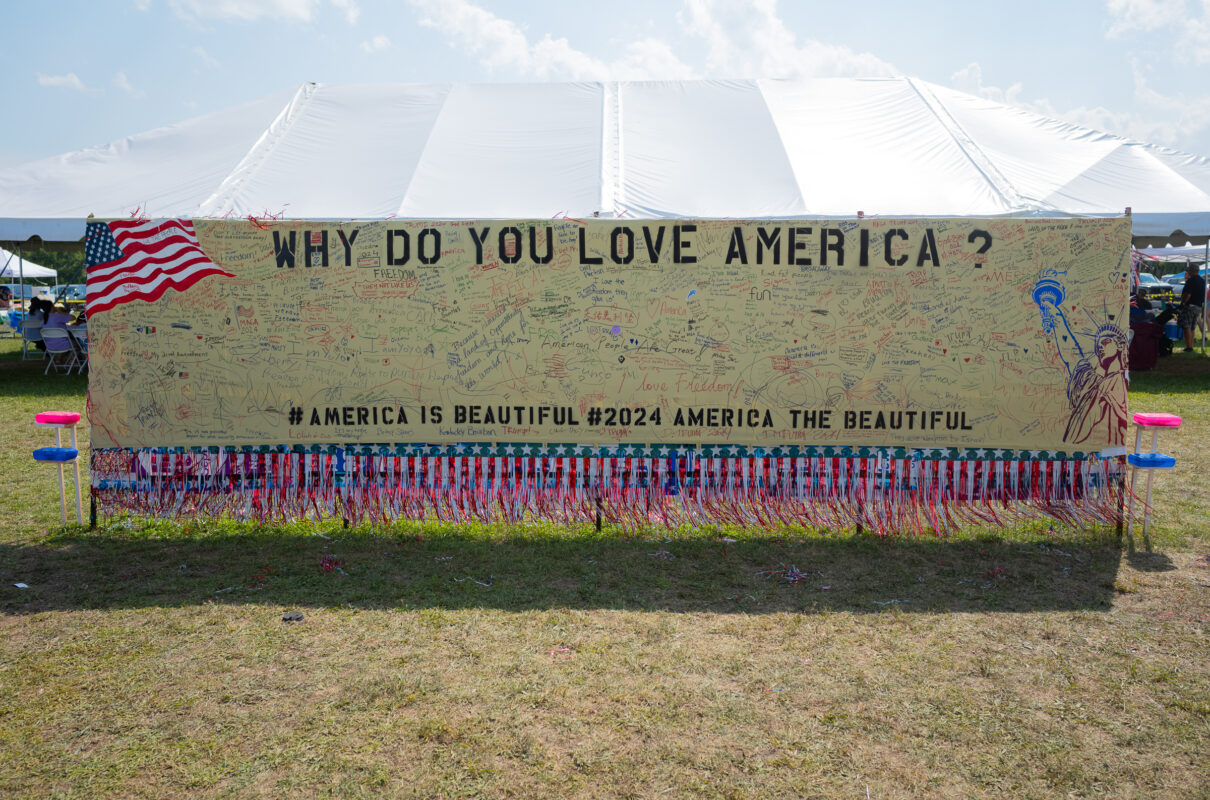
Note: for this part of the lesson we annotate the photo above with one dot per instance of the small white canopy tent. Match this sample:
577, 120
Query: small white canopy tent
1181, 254
706, 149
13, 267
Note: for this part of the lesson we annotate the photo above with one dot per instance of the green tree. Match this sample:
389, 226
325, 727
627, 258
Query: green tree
69, 265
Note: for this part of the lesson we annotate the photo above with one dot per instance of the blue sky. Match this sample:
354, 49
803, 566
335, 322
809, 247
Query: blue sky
88, 73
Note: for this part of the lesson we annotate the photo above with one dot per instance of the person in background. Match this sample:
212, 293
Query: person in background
1139, 306
40, 309
1193, 301
57, 317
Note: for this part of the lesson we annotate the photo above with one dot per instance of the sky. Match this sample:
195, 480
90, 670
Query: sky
77, 74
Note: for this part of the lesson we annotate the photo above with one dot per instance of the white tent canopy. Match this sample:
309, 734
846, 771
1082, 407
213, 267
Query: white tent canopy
1182, 254
13, 267
706, 149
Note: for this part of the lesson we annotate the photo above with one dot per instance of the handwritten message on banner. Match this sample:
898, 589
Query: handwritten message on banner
915, 332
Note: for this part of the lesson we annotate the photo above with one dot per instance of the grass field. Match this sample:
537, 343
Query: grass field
151, 659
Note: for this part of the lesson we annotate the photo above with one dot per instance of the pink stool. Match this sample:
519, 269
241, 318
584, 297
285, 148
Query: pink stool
62, 455
1150, 461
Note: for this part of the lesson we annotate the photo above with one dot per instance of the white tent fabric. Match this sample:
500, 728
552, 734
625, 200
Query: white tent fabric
705, 149
13, 268
1182, 254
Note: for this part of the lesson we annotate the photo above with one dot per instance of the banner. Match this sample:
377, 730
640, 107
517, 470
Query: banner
916, 333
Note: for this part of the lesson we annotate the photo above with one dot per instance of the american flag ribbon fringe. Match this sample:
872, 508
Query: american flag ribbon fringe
880, 494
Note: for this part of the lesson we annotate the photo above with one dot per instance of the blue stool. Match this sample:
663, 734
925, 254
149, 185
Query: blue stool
62, 455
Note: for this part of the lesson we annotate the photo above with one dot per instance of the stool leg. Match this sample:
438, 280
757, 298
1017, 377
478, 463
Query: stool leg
1147, 511
76, 464
62, 494
1134, 473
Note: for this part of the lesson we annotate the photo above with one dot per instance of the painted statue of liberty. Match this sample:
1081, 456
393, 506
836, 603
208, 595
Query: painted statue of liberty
1096, 369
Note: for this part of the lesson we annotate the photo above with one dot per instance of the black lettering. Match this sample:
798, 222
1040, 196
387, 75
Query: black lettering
533, 246
697, 418
850, 420
765, 239
309, 247
504, 248
928, 249
965, 427
768, 421
387, 417
283, 250
879, 422
479, 239
584, 257
433, 235
347, 242
315, 416
864, 259
865, 420
331, 416
736, 248
435, 415
614, 237
653, 248
893, 233
405, 244
473, 415
794, 245
680, 244
832, 239
459, 415
363, 415
346, 416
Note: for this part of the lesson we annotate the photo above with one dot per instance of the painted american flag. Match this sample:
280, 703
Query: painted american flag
139, 259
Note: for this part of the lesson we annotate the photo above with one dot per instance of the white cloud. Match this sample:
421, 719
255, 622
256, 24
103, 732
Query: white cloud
68, 81
1129, 16
970, 79
379, 42
501, 44
122, 82
205, 57
1187, 20
352, 12
744, 40
253, 10
142, 5
749, 40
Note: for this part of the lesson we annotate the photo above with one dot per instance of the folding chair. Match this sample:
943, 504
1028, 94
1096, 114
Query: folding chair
31, 334
80, 334
59, 350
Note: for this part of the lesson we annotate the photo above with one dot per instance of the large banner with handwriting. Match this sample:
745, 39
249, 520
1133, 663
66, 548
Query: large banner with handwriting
985, 333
